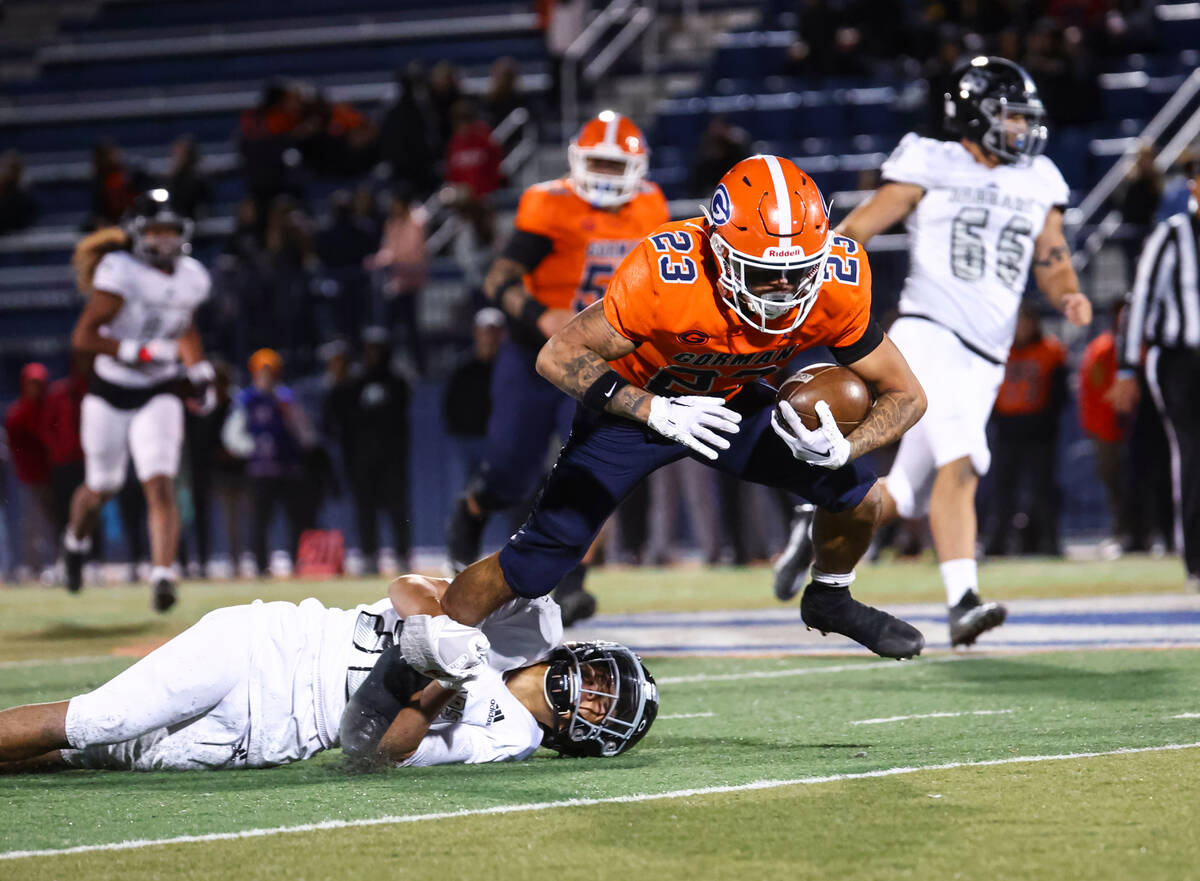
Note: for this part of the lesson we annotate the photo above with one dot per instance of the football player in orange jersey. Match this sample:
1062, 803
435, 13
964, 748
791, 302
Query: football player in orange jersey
670, 364
571, 234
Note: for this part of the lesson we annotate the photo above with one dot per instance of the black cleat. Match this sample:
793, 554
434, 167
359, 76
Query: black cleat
971, 618
832, 610
577, 606
73, 562
792, 566
464, 535
163, 597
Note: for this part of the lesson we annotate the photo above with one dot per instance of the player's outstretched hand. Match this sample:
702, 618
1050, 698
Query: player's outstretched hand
1078, 309
694, 422
824, 446
442, 649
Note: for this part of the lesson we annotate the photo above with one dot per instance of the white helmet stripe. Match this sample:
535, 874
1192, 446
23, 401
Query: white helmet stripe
610, 129
782, 200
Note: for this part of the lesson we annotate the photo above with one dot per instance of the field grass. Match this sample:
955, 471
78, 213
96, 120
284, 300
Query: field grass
784, 746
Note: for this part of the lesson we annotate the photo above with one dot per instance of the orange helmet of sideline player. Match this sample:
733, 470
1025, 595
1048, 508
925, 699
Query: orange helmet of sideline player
770, 236
608, 160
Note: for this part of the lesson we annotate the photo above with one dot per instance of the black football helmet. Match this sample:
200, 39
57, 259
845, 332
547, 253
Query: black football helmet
154, 208
617, 679
988, 90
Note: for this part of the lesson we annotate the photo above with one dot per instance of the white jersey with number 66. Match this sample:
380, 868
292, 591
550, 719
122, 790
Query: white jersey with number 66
971, 237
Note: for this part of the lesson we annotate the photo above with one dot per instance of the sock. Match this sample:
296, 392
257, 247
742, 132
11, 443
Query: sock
832, 579
160, 572
76, 545
959, 576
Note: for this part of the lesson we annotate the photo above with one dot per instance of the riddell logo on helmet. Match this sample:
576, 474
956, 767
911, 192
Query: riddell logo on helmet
784, 252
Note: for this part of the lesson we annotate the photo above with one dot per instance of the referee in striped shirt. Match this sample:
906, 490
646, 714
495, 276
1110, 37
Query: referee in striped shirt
1164, 316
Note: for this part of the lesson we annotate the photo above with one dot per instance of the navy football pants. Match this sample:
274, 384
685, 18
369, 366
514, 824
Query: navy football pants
526, 411
606, 456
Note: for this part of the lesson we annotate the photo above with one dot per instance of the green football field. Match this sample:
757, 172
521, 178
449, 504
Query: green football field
1078, 764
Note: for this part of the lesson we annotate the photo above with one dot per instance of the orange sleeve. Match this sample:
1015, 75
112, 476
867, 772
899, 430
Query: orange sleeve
630, 301
535, 213
856, 316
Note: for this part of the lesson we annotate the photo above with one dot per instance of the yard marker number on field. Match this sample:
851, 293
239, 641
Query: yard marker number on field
929, 716
580, 802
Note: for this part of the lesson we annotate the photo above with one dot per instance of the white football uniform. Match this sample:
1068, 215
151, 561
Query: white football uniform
971, 243
129, 408
265, 684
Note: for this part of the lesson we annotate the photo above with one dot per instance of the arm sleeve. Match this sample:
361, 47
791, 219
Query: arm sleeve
112, 274
911, 162
528, 248
630, 301
1130, 336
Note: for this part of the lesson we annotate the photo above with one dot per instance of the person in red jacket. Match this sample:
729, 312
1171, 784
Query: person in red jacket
59, 431
32, 465
472, 156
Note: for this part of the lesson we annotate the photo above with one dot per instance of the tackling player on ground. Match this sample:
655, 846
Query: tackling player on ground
571, 234
272, 683
979, 210
143, 290
670, 363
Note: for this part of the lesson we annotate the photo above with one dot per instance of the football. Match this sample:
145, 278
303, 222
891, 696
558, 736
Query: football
847, 396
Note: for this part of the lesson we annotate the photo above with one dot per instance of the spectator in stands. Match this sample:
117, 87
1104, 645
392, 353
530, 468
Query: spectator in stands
215, 473
939, 73
343, 244
503, 96
267, 141
564, 22
1138, 200
290, 262
1047, 64
403, 263
1081, 82
339, 140
31, 460
367, 210
379, 468
1024, 450
59, 431
467, 402
810, 55
269, 430
475, 247
472, 156
1102, 423
721, 147
113, 185
445, 91
410, 140
17, 207
190, 190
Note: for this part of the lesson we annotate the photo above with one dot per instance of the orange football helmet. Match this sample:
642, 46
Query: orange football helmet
770, 236
609, 138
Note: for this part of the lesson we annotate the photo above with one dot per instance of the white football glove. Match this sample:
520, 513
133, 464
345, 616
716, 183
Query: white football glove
203, 378
442, 649
824, 446
690, 420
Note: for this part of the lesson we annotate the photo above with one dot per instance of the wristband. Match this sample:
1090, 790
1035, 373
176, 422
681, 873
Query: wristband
600, 392
531, 311
129, 351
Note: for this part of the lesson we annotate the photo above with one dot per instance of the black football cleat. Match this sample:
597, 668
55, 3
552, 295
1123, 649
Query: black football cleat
163, 596
464, 535
792, 566
574, 601
73, 563
971, 618
832, 610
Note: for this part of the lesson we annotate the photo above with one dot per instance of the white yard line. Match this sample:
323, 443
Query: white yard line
577, 802
1187, 716
54, 662
929, 716
808, 671
687, 716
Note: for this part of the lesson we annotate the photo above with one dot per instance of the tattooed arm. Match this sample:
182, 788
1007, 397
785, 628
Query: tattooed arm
1054, 274
578, 355
899, 399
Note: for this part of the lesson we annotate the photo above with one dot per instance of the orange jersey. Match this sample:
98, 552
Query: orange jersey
665, 297
588, 243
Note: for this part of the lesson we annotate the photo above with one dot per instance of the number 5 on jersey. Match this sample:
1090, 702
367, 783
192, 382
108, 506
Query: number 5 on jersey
675, 270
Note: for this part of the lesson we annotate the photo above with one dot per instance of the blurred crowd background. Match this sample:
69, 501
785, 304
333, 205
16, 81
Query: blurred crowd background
353, 168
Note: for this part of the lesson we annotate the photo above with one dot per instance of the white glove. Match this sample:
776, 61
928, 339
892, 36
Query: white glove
824, 446
133, 352
441, 648
689, 420
203, 378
